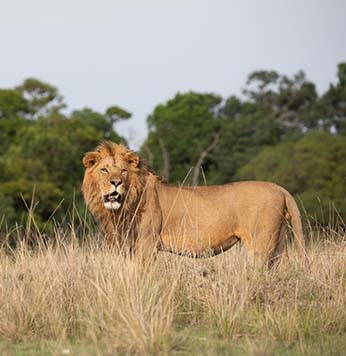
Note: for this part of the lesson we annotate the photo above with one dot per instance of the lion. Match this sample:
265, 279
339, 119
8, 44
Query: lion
142, 214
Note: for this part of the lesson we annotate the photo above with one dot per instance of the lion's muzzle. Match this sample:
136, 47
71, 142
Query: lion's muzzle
112, 201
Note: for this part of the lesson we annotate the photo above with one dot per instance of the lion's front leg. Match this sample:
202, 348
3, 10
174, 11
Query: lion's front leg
148, 239
146, 250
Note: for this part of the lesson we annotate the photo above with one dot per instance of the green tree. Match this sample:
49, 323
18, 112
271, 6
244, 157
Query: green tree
331, 109
182, 132
275, 109
25, 182
245, 131
12, 104
114, 114
61, 142
41, 159
95, 121
12, 109
42, 98
288, 100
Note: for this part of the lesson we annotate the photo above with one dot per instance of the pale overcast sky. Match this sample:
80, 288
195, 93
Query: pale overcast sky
139, 53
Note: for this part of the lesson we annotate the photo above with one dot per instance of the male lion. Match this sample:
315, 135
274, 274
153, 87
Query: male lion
142, 214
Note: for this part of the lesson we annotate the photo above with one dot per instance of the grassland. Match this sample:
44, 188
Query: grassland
68, 298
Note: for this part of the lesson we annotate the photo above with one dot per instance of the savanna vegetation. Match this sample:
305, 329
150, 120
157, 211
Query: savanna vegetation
63, 292
67, 298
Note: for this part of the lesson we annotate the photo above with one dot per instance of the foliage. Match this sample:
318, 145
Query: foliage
115, 113
41, 98
12, 104
179, 131
42, 150
332, 106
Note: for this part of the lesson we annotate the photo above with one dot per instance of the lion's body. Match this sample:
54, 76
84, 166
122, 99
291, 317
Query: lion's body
196, 220
200, 219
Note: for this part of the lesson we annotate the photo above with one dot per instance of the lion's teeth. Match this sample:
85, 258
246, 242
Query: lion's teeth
114, 197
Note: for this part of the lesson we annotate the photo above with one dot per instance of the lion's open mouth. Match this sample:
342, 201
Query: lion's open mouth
114, 197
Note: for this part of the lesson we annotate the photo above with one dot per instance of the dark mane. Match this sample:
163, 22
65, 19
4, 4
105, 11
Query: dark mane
108, 146
146, 167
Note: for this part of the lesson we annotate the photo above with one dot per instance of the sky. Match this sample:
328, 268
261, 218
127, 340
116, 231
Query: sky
137, 54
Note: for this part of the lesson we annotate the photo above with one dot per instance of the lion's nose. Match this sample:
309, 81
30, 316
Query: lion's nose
115, 182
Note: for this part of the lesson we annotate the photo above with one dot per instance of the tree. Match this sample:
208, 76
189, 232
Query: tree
12, 109
41, 159
42, 98
114, 114
287, 100
245, 130
261, 88
276, 108
332, 106
26, 183
12, 104
93, 120
180, 133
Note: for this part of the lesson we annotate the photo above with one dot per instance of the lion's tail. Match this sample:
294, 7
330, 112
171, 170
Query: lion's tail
296, 222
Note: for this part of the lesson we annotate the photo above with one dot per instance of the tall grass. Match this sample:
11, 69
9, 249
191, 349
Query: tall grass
72, 293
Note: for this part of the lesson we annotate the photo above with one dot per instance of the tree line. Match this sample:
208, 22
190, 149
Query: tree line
280, 129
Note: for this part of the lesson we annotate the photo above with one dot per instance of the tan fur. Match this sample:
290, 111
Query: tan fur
196, 221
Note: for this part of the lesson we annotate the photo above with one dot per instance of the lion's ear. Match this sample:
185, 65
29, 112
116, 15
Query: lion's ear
132, 159
90, 159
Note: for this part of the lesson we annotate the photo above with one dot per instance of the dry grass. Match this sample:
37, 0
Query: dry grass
85, 298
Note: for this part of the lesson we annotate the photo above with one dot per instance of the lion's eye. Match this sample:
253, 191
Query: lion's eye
123, 171
104, 170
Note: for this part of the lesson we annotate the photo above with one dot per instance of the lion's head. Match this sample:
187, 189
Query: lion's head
113, 178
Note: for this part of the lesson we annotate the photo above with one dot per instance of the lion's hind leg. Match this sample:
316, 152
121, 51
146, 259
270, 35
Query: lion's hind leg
266, 248
279, 257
